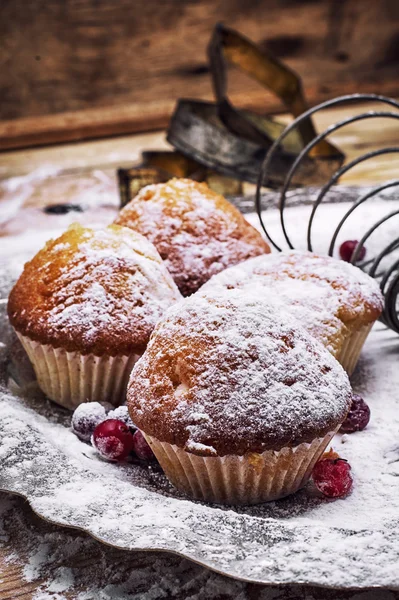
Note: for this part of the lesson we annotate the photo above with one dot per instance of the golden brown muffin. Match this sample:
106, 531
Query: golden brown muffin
195, 230
334, 300
89, 293
227, 376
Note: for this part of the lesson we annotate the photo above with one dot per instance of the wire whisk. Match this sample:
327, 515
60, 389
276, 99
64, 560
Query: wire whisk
388, 276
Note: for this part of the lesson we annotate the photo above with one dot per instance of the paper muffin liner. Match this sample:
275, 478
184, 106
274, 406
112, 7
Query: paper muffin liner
350, 351
71, 378
249, 479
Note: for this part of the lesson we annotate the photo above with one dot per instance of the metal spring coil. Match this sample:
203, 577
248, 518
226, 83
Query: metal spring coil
389, 276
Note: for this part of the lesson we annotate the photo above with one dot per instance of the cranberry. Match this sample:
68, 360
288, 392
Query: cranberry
86, 418
331, 476
122, 414
347, 249
141, 448
113, 439
358, 416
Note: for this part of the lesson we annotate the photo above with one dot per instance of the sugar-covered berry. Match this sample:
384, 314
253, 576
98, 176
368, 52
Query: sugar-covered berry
332, 477
358, 417
86, 418
122, 414
141, 447
113, 439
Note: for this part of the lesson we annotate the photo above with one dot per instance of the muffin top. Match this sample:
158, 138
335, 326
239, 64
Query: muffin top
330, 297
225, 373
195, 230
93, 291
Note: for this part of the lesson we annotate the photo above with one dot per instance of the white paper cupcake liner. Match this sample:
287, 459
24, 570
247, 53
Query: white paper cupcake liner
350, 351
71, 378
249, 479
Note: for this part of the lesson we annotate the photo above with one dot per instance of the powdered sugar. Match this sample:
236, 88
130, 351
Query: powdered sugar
100, 309
93, 195
350, 542
122, 414
325, 295
111, 282
195, 231
111, 447
198, 448
77, 566
85, 418
251, 370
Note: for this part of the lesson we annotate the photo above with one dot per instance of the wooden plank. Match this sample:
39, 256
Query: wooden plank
75, 70
126, 150
12, 584
81, 125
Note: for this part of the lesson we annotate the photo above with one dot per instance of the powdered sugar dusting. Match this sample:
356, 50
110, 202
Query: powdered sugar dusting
348, 542
324, 294
86, 417
253, 373
77, 566
110, 446
351, 542
195, 231
94, 194
201, 449
112, 282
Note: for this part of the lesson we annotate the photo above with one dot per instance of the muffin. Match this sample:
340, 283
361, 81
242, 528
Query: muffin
335, 301
236, 400
84, 308
195, 230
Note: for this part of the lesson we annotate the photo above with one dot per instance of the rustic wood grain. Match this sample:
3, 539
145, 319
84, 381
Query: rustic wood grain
75, 69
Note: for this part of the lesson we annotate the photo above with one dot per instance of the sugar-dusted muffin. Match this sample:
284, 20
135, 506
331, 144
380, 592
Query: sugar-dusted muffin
84, 309
236, 400
334, 300
195, 230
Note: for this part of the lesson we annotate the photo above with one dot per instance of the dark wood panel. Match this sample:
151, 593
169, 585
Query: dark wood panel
134, 58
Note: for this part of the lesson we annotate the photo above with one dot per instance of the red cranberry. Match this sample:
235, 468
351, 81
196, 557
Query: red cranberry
141, 448
358, 416
113, 439
347, 249
332, 476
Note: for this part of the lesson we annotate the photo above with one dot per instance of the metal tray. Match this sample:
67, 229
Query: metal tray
348, 543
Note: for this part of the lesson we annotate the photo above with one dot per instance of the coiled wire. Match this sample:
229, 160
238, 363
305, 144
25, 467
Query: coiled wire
388, 276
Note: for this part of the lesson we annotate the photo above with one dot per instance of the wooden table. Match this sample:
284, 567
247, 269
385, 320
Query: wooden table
123, 151
67, 557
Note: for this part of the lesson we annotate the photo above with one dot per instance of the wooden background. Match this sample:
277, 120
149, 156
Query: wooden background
76, 69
